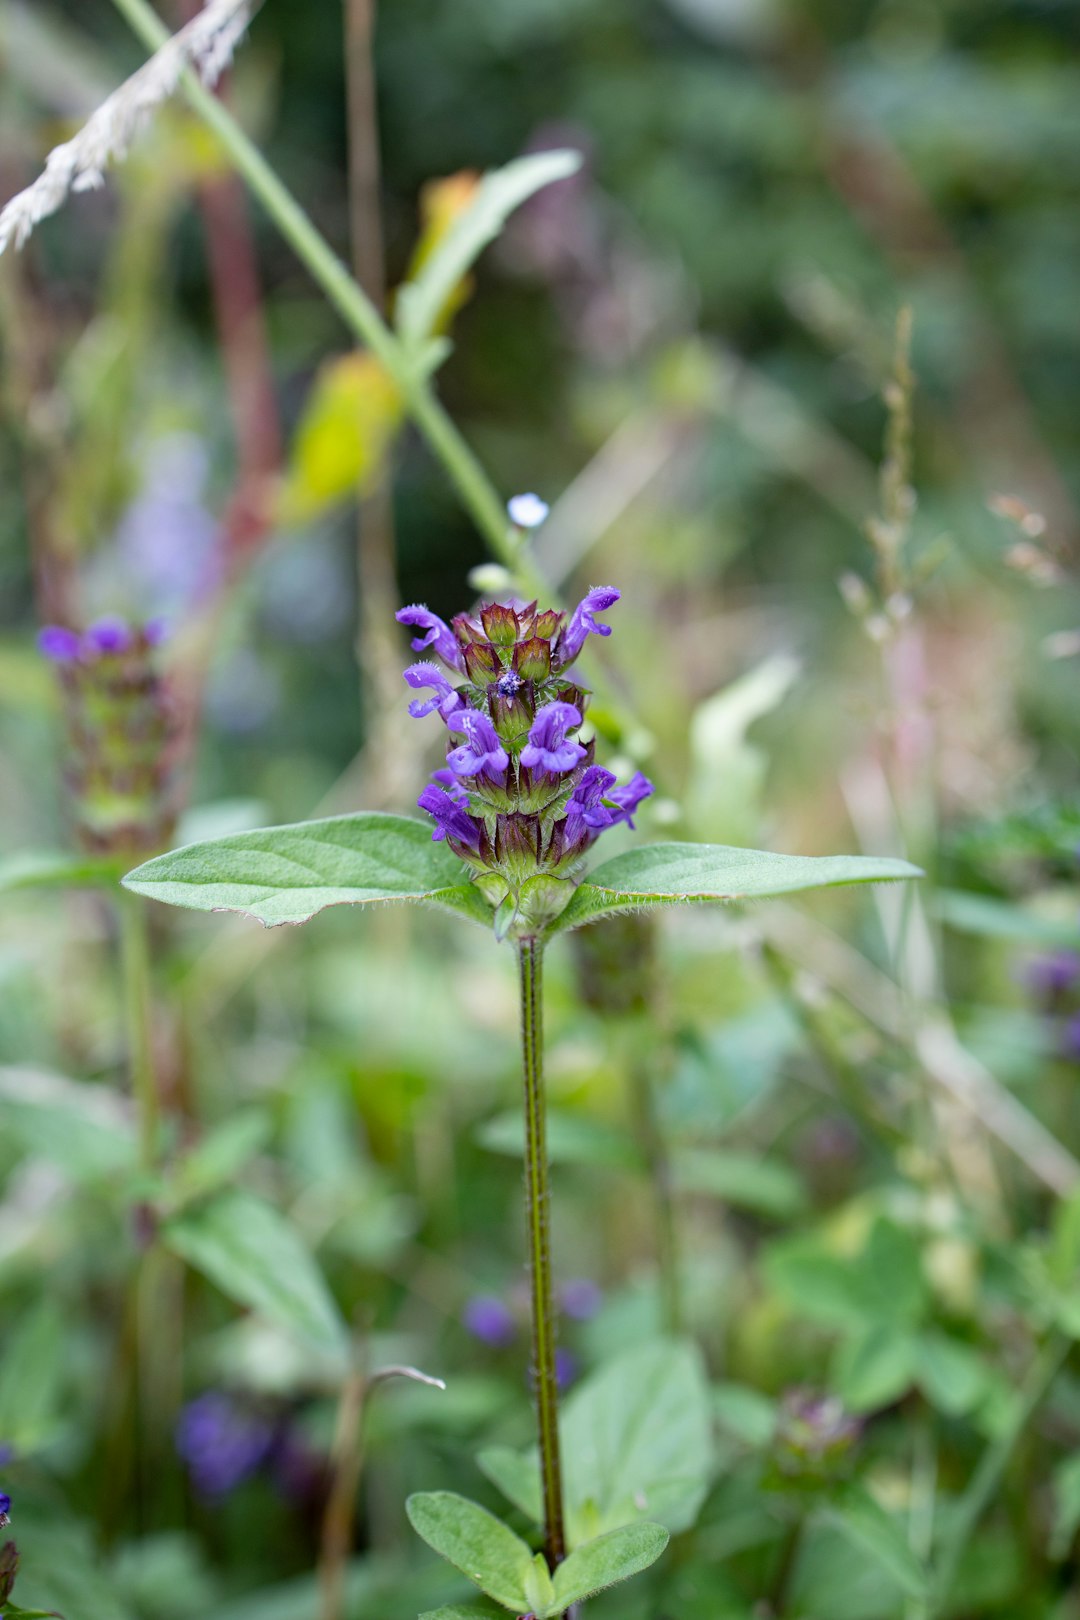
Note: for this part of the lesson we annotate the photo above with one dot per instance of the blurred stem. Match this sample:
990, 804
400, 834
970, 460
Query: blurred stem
922, 1503
477, 492
135, 977
638, 1057
785, 1567
537, 1217
995, 1459
346, 1464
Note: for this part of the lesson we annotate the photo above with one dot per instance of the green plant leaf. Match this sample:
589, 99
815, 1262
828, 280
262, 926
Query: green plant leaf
31, 1377
217, 1159
476, 1543
875, 1367
420, 302
764, 1186
952, 1375
669, 874
58, 869
465, 1611
252, 1253
636, 1445
572, 1139
86, 1130
288, 874
859, 1518
608, 1560
881, 1285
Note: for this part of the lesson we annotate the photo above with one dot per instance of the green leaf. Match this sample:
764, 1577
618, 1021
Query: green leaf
859, 1518
991, 918
608, 1560
745, 1413
288, 874
875, 1367
881, 1285
465, 1611
1066, 1483
219, 1157
421, 302
31, 1377
251, 1252
636, 1445
764, 1186
13, 1612
57, 869
476, 1543
572, 1139
86, 1130
667, 874
951, 1375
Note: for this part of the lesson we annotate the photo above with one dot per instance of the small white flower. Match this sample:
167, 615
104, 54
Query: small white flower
527, 511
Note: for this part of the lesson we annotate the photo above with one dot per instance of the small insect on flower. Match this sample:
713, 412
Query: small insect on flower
520, 800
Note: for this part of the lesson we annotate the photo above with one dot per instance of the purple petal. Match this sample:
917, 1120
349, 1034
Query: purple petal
583, 623
59, 644
439, 635
548, 748
108, 637
627, 798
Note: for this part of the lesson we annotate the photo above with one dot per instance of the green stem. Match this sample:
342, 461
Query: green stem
135, 976
992, 1465
537, 1206
477, 492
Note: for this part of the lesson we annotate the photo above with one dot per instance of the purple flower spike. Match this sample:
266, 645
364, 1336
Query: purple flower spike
446, 700
627, 798
549, 748
584, 812
490, 1320
439, 635
450, 817
108, 637
483, 754
58, 644
583, 624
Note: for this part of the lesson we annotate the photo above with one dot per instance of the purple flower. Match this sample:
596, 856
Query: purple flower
108, 637
483, 754
549, 748
449, 781
221, 1443
439, 635
445, 700
1070, 1039
58, 643
581, 1298
450, 817
582, 623
627, 798
584, 812
566, 1368
5, 1507
490, 1320
1052, 975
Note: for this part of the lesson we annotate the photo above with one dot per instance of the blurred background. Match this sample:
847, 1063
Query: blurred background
840, 629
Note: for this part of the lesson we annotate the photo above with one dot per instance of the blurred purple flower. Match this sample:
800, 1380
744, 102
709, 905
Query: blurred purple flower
107, 637
1070, 1039
566, 1368
491, 1321
5, 1507
581, 1298
1052, 975
58, 644
168, 545
222, 1444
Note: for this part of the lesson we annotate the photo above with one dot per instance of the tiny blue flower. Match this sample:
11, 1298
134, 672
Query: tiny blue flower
5, 1507
627, 798
527, 511
222, 1444
439, 635
483, 754
583, 623
549, 748
108, 637
490, 1320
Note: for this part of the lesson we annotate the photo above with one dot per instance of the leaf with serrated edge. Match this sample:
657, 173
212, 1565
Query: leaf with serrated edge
288, 874
608, 1560
475, 1542
673, 874
419, 302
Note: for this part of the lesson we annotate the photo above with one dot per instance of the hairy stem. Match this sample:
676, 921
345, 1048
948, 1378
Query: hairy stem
477, 492
135, 977
537, 1210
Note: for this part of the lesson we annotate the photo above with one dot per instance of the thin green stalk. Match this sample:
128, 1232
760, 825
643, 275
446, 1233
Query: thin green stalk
995, 1459
352, 303
135, 977
537, 1209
